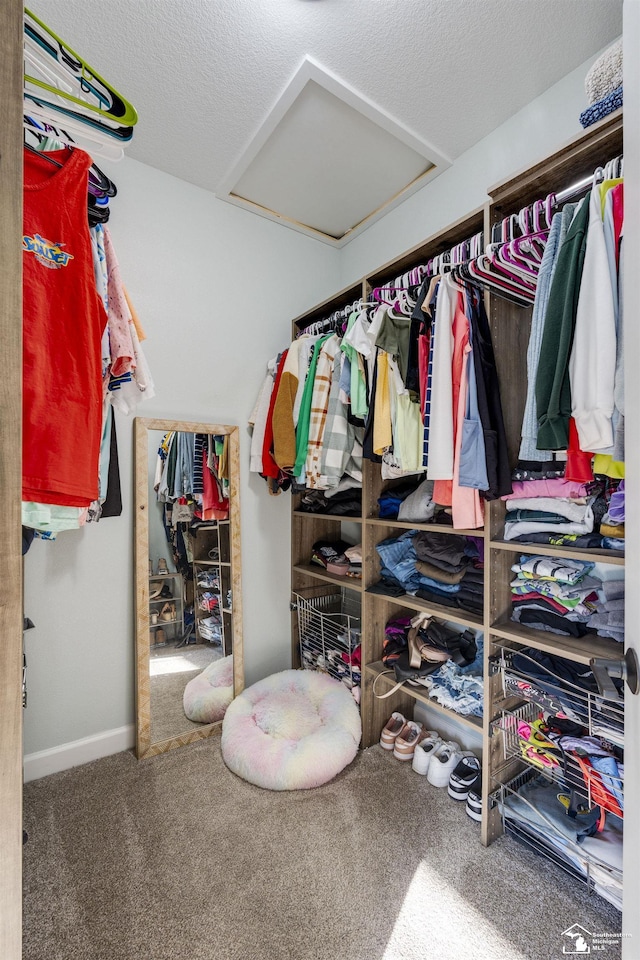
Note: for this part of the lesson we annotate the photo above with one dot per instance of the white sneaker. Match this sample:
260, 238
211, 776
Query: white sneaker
443, 763
424, 751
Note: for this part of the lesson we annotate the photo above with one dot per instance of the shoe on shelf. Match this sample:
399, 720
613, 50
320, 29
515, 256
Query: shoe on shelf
443, 763
329, 556
168, 612
391, 729
408, 739
464, 777
162, 566
424, 751
474, 801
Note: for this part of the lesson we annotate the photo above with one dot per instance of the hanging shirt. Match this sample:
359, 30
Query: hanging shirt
64, 319
592, 364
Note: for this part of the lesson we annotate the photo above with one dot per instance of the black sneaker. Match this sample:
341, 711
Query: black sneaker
464, 778
474, 802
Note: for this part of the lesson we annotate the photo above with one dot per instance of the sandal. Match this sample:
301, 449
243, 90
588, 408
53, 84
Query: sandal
538, 757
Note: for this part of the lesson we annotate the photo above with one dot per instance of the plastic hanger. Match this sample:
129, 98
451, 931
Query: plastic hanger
91, 93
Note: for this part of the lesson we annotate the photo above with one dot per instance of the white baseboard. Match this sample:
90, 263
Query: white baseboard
73, 754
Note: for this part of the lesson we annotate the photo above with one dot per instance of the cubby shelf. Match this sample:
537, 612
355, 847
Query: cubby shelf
579, 649
382, 675
570, 553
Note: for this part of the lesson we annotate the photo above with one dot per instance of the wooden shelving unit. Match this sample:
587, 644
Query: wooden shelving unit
510, 325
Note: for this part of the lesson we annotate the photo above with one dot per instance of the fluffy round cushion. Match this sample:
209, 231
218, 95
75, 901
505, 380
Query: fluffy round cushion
291, 731
208, 695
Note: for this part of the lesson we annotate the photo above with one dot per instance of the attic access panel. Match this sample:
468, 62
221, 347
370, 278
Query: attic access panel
327, 162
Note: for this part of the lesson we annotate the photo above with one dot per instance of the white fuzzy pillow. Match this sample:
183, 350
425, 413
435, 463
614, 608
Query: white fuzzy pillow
291, 731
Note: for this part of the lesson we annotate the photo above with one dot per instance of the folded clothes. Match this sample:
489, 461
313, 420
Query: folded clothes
549, 487
611, 530
545, 620
445, 589
575, 510
587, 540
444, 550
556, 588
437, 573
601, 108
418, 507
388, 588
543, 470
533, 516
613, 589
518, 529
574, 607
581, 613
616, 504
548, 568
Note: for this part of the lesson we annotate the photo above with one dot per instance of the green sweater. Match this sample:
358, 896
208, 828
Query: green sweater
553, 391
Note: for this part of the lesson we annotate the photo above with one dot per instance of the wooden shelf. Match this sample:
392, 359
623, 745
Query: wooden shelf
319, 574
212, 563
421, 694
571, 553
454, 614
326, 516
430, 527
580, 649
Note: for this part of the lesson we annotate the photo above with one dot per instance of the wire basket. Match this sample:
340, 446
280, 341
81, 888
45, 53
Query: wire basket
329, 633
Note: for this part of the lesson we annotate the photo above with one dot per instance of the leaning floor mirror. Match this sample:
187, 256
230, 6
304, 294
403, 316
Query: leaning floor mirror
188, 597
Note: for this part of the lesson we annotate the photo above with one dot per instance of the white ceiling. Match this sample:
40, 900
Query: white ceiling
204, 75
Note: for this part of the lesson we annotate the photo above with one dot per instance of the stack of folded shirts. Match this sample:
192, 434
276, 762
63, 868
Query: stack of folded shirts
450, 571
533, 514
440, 568
608, 620
558, 596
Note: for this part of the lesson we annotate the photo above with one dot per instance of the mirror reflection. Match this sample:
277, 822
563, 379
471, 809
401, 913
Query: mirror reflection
188, 604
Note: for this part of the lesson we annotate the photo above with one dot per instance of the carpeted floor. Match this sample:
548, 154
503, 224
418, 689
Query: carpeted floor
171, 669
175, 858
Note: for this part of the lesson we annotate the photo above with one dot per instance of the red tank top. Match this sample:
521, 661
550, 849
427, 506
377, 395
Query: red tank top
63, 323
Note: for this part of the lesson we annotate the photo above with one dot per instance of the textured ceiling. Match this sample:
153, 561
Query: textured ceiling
204, 74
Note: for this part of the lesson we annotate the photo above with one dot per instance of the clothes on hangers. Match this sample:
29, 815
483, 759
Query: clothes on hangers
63, 323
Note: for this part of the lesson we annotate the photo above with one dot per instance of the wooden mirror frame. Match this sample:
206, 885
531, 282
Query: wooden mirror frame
142, 426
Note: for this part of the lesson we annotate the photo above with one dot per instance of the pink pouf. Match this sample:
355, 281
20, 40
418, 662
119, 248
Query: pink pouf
291, 731
208, 695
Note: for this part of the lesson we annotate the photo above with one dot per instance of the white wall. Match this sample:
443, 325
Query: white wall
216, 288
529, 135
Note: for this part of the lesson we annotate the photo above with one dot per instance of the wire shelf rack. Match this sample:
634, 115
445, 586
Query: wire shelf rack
329, 633
536, 831
565, 761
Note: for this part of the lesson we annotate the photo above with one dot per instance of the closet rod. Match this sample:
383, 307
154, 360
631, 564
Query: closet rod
582, 185
572, 191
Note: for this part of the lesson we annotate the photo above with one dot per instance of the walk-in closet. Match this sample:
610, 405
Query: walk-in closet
322, 531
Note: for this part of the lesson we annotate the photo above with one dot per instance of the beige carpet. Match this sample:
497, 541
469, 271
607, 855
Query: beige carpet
171, 669
175, 858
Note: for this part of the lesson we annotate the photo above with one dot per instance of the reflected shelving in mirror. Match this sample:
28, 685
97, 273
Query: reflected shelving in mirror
188, 637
